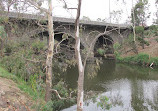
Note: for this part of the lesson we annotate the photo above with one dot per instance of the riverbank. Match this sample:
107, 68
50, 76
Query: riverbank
140, 59
15, 94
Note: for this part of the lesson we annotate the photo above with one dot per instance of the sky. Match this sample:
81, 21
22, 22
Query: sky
95, 9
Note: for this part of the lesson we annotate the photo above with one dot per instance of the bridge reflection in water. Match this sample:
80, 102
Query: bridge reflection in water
129, 88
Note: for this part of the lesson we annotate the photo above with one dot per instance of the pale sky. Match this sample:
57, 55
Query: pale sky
99, 9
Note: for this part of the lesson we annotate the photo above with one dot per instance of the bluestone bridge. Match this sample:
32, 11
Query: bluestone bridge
90, 31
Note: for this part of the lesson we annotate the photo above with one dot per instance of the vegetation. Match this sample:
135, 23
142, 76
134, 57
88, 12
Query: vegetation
141, 59
104, 103
30, 62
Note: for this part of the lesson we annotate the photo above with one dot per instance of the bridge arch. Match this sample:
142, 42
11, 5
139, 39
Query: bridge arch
103, 46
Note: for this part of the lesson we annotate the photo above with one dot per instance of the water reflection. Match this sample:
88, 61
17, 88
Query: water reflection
128, 87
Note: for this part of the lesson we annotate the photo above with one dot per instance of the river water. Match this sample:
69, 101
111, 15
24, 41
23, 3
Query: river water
128, 87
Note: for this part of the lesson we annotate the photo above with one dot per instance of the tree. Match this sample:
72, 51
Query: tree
133, 23
140, 13
50, 46
79, 61
49, 53
86, 18
156, 13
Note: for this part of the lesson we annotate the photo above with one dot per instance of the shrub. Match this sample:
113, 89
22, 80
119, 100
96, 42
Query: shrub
2, 32
154, 29
101, 51
141, 40
38, 46
139, 29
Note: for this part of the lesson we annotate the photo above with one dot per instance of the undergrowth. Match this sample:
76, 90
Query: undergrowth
140, 59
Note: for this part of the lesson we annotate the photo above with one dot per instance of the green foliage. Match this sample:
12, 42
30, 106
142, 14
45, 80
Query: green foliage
139, 29
104, 103
64, 93
141, 12
141, 59
130, 39
2, 32
141, 40
101, 51
117, 46
154, 29
21, 83
20, 60
3, 20
38, 46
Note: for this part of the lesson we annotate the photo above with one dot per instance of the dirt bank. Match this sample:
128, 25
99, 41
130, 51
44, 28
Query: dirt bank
12, 98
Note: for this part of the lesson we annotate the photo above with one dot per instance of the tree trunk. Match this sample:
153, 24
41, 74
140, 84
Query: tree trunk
1, 47
143, 40
79, 62
49, 54
134, 33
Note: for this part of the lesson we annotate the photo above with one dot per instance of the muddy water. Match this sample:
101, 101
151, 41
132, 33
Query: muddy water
128, 87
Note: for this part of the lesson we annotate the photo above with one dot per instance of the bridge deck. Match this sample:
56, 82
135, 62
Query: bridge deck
60, 19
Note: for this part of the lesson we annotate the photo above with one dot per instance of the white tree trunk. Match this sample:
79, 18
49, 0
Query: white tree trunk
79, 62
134, 33
49, 54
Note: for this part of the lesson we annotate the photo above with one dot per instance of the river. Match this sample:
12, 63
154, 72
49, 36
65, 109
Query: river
128, 87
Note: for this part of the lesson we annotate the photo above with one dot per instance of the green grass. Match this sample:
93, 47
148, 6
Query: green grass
141, 59
20, 84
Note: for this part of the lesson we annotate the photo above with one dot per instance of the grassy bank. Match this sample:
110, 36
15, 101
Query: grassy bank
21, 84
140, 59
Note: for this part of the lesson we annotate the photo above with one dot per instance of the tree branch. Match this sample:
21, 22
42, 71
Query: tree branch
37, 6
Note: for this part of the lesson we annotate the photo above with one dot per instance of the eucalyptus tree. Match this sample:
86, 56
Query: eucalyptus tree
49, 58
36, 4
141, 13
156, 13
79, 61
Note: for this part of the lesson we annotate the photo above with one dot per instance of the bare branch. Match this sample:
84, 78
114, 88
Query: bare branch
61, 98
37, 6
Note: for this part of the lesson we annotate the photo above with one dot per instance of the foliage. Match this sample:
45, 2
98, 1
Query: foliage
21, 61
21, 83
117, 46
154, 29
3, 20
38, 46
101, 51
2, 32
139, 29
142, 41
140, 12
104, 103
141, 59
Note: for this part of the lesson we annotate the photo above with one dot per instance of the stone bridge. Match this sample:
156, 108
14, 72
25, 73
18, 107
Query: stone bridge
91, 32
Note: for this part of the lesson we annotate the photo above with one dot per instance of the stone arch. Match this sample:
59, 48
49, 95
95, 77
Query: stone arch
103, 46
65, 44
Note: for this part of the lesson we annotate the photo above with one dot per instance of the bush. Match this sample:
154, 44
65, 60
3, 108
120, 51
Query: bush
38, 46
154, 29
139, 29
101, 51
2, 32
138, 59
141, 40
